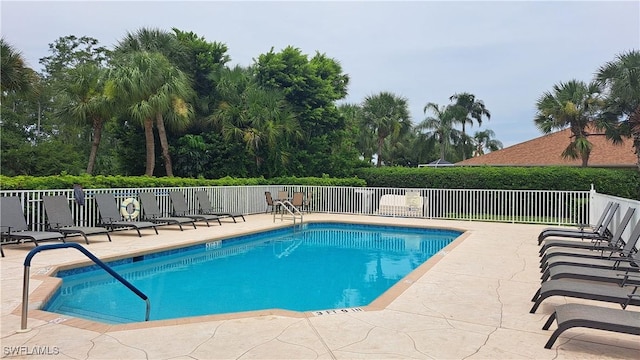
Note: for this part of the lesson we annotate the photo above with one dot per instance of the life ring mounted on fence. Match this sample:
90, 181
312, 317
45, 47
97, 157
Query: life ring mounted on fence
130, 208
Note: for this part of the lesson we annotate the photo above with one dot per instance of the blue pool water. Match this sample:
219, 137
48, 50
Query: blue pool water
323, 266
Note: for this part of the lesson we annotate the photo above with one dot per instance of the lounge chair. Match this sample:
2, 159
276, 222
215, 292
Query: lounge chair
206, 208
589, 290
59, 218
611, 259
151, 212
595, 243
587, 253
594, 317
596, 253
111, 218
14, 228
620, 277
599, 228
180, 208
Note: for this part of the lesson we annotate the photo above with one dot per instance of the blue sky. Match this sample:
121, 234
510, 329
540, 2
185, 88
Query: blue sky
507, 53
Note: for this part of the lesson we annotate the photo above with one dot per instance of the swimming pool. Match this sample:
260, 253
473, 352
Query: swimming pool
323, 266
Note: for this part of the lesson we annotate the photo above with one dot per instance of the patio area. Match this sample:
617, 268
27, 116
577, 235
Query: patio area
471, 301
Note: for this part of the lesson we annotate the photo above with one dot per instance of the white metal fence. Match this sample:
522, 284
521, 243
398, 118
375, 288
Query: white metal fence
598, 203
522, 206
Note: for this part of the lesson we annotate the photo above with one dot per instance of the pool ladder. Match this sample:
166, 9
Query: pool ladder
37, 249
291, 210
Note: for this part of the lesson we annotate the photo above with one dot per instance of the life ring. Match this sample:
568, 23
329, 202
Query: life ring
130, 208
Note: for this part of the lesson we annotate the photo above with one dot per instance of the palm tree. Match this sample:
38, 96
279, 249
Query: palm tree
440, 126
385, 114
484, 140
154, 40
362, 136
467, 110
84, 100
173, 105
621, 78
153, 90
573, 104
258, 117
15, 75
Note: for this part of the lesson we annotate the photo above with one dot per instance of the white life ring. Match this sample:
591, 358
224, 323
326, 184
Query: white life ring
130, 208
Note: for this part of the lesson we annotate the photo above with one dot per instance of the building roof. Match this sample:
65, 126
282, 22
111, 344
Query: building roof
547, 151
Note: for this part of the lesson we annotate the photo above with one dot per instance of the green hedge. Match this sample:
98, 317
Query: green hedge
618, 182
106, 182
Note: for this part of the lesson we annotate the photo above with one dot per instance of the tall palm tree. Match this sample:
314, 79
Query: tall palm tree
385, 114
573, 104
621, 78
484, 140
153, 90
439, 126
468, 109
166, 44
84, 100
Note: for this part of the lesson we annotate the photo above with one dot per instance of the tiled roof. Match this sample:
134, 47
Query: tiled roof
547, 151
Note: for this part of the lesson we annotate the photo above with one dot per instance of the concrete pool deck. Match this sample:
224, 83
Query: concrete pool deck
472, 301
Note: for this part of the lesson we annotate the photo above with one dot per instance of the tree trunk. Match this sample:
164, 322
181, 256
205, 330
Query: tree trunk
464, 142
380, 143
97, 135
635, 136
150, 145
164, 144
585, 160
634, 121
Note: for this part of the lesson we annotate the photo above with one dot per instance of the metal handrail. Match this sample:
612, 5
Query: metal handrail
27, 266
287, 205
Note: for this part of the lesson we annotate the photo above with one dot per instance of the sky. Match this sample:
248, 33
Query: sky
506, 53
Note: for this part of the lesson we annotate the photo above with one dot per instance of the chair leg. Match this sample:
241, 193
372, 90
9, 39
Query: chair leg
536, 296
550, 321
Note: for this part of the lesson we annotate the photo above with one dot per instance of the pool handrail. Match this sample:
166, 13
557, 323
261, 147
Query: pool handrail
87, 253
290, 208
